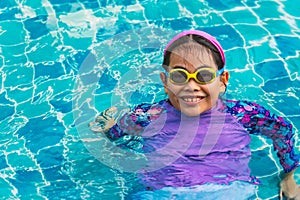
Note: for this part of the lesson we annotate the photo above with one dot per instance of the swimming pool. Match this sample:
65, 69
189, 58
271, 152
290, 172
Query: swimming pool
45, 46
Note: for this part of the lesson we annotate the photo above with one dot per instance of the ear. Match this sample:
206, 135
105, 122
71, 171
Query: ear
224, 81
163, 79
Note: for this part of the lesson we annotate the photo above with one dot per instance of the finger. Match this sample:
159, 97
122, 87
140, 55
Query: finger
280, 194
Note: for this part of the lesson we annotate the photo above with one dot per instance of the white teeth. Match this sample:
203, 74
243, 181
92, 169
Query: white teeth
192, 99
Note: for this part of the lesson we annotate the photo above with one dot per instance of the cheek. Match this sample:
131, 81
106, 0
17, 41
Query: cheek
213, 89
173, 89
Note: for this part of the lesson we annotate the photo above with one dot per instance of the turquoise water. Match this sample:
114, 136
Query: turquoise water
62, 62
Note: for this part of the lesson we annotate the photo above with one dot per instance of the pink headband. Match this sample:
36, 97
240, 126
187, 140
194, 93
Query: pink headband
202, 34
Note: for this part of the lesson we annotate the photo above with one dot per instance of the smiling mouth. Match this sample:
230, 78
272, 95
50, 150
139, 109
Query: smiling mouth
193, 99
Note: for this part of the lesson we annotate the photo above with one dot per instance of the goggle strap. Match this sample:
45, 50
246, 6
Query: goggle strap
219, 72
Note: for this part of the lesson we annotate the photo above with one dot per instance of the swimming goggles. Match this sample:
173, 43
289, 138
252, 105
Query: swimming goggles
203, 75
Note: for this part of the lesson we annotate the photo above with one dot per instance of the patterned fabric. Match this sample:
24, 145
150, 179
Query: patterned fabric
259, 121
252, 117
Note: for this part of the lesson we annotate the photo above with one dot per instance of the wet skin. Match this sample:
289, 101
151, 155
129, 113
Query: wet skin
192, 98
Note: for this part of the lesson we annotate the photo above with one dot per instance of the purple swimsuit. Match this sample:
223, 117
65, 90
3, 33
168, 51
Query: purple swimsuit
210, 148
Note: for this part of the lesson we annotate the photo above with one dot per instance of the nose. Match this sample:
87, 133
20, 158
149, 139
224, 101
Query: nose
192, 85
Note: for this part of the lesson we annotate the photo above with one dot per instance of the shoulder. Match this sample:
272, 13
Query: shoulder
247, 109
239, 106
148, 107
143, 114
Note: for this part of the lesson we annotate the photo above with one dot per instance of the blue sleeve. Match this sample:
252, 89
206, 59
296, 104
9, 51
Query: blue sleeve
130, 127
259, 121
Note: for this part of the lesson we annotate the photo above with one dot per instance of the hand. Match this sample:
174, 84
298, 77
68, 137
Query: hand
289, 188
104, 121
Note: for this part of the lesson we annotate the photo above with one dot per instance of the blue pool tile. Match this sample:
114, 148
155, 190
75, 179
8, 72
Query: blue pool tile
261, 164
251, 3
62, 8
25, 189
50, 71
41, 132
260, 53
296, 121
170, 9
195, 7
293, 65
244, 30
152, 12
42, 50
236, 58
278, 27
15, 55
10, 13
245, 16
226, 35
25, 181
270, 70
224, 5
292, 7
279, 85
28, 176
287, 45
181, 23
14, 33
105, 78
281, 102
123, 26
85, 61
70, 65
3, 163
18, 76
269, 187
6, 189
6, 111
62, 189
135, 15
161, 23
36, 26
103, 3
211, 19
125, 2
91, 5
267, 9
78, 43
297, 24
101, 35
138, 97
4, 99
55, 173
8, 4
82, 56
61, 104
62, 2
50, 157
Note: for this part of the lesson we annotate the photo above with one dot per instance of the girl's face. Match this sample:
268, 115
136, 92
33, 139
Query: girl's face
192, 98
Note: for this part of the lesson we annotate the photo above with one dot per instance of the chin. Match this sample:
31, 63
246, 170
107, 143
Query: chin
195, 112
191, 114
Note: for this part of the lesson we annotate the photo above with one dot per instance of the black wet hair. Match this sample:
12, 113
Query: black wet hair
198, 39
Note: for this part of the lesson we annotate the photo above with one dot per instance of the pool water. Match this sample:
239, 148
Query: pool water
63, 62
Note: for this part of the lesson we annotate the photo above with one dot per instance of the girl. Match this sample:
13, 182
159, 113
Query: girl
195, 139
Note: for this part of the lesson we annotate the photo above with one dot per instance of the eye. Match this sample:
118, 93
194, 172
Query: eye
178, 76
205, 76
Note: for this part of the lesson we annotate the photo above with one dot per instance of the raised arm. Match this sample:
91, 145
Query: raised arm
288, 187
259, 121
126, 130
